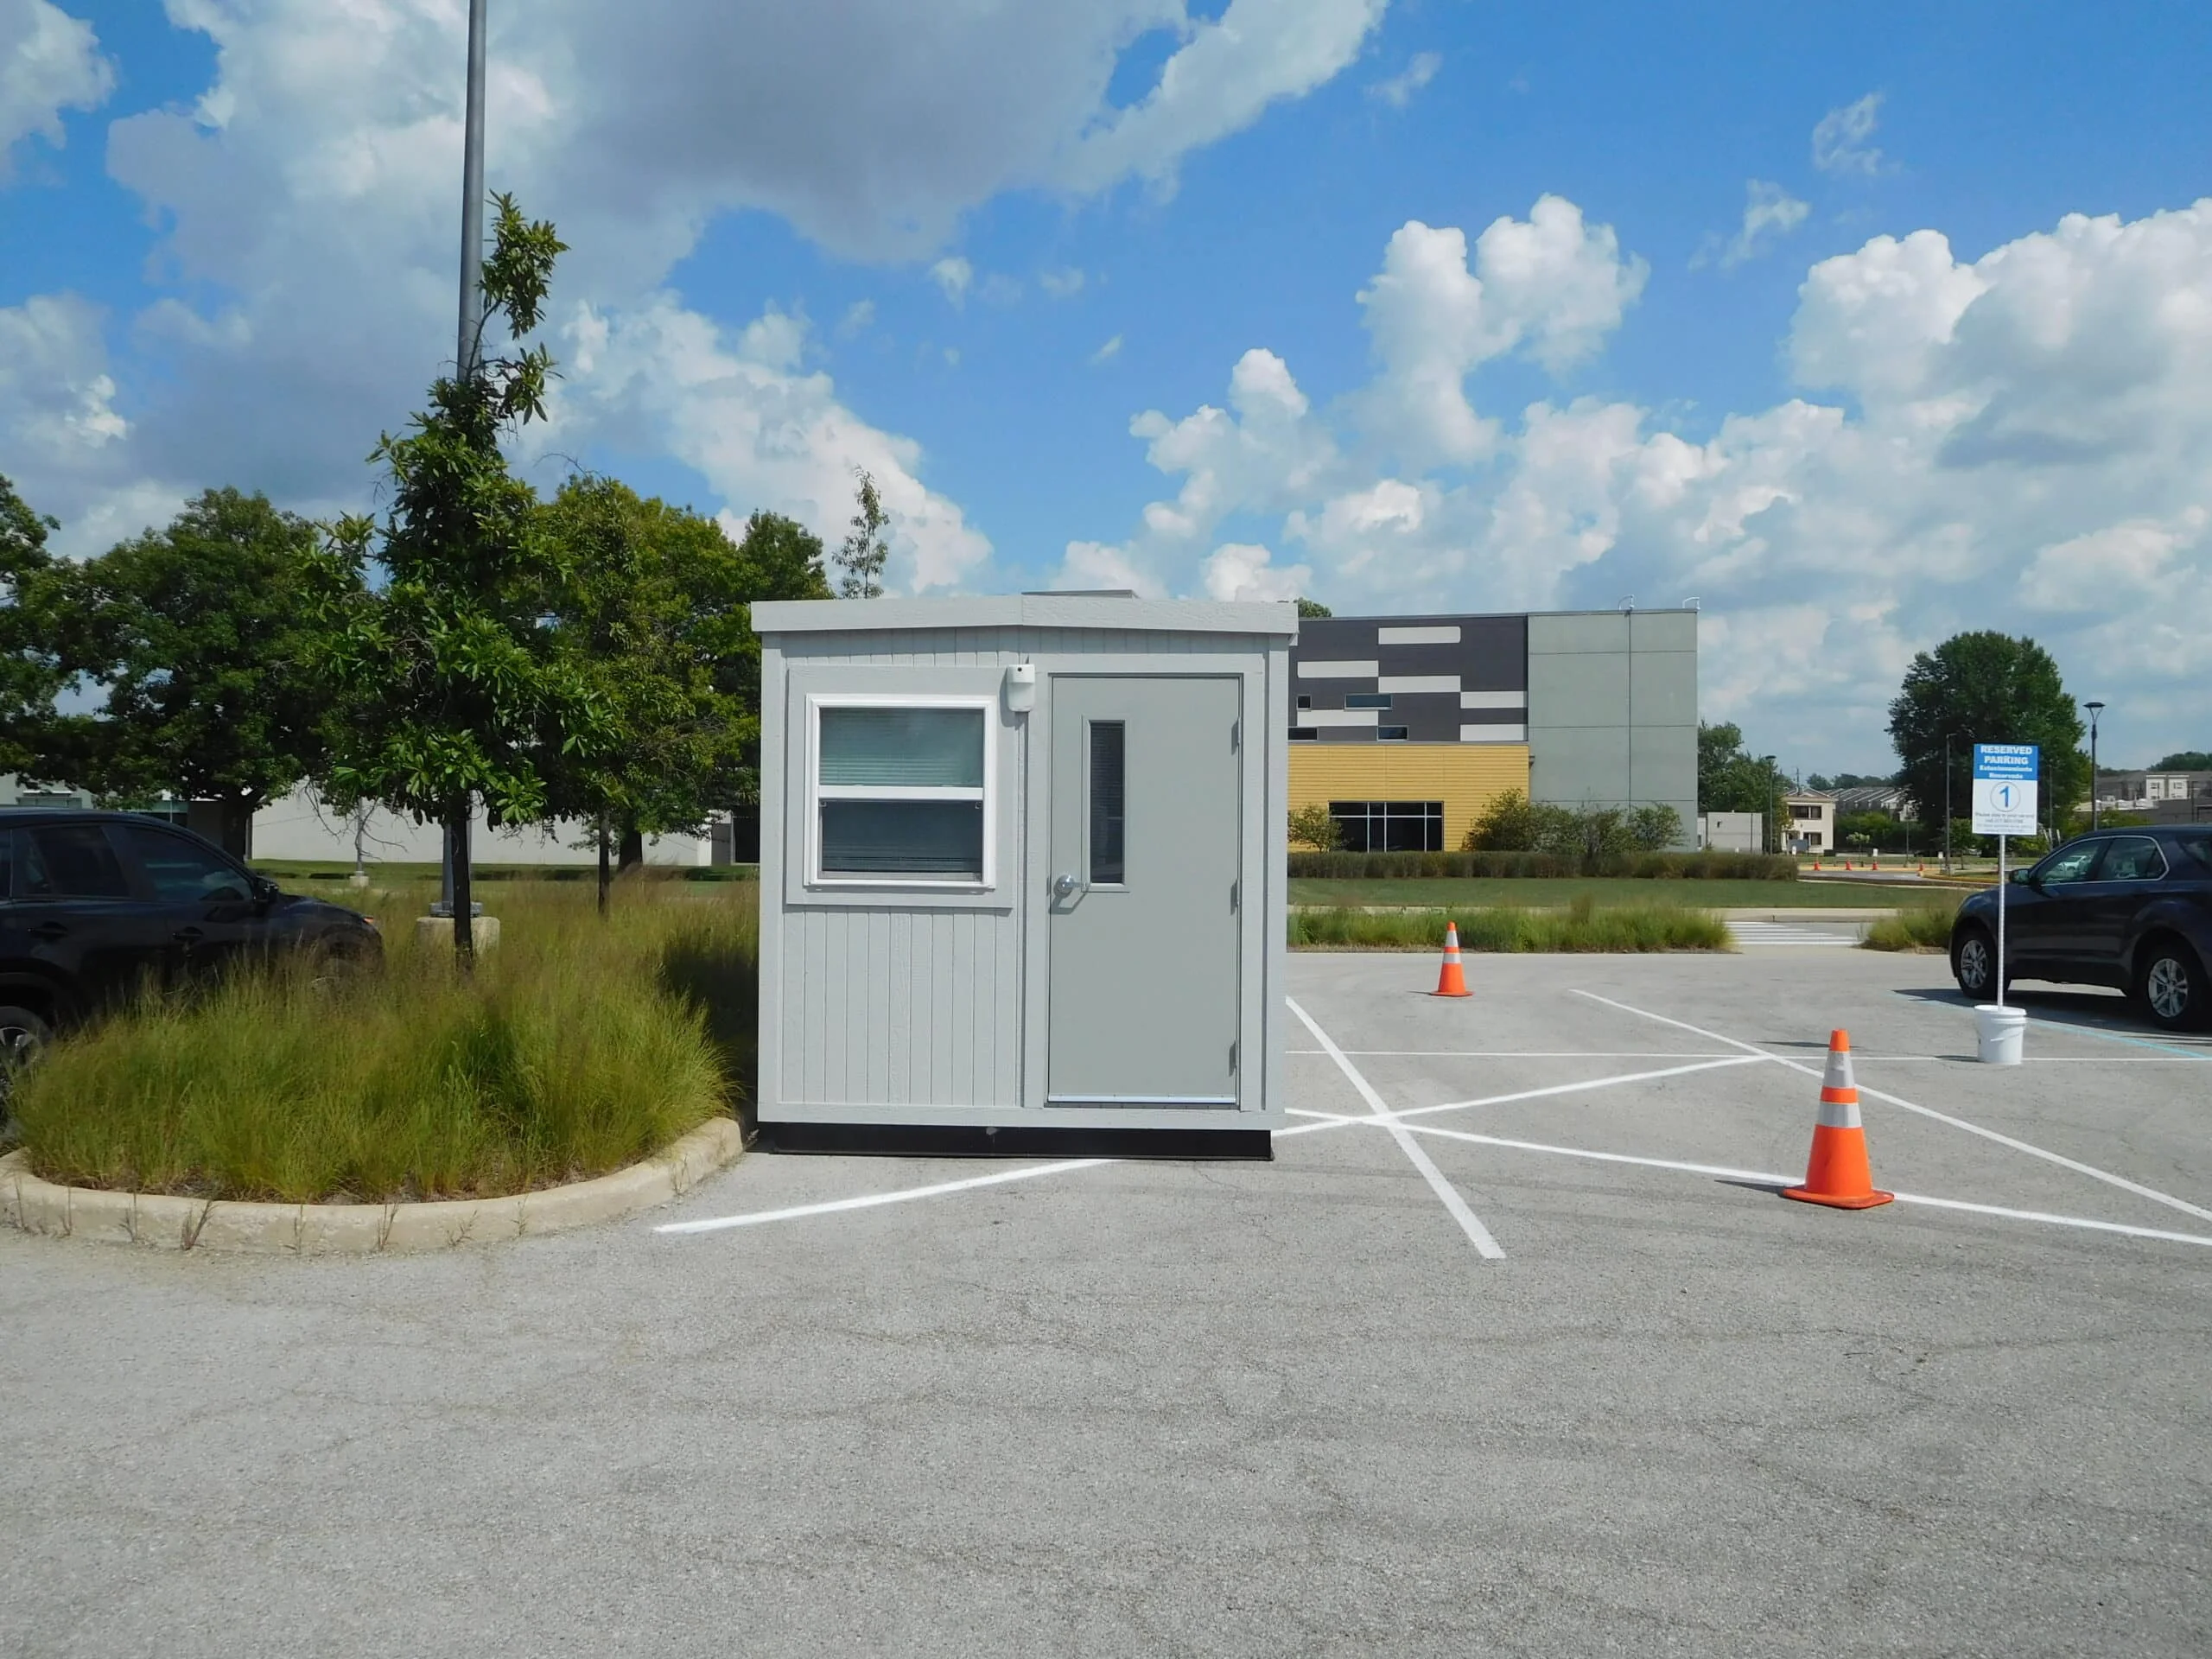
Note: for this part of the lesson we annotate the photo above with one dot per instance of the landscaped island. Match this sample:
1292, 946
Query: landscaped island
578, 1047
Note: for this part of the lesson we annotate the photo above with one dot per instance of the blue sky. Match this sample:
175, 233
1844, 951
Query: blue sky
1253, 298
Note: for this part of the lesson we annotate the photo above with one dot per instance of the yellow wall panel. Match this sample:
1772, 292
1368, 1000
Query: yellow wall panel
1465, 777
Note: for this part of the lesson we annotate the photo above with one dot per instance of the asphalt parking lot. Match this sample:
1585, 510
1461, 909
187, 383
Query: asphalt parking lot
1583, 1384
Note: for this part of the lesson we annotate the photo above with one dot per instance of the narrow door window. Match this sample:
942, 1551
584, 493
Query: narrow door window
1108, 867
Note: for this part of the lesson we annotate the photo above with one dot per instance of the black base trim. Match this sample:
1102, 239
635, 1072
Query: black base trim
942, 1141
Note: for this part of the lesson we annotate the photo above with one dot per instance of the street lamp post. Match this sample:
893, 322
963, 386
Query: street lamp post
1946, 802
465, 354
2095, 708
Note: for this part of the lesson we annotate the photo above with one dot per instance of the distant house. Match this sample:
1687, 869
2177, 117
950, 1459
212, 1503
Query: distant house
1809, 821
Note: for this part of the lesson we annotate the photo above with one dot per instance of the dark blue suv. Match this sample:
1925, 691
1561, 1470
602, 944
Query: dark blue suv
2127, 908
93, 904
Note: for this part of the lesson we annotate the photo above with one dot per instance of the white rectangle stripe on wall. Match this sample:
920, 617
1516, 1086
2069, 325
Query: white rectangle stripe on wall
1437, 636
1493, 699
1337, 717
1418, 683
1493, 733
1339, 671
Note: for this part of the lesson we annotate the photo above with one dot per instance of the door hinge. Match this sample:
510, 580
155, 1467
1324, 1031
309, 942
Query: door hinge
1236, 735
1232, 1056
1236, 889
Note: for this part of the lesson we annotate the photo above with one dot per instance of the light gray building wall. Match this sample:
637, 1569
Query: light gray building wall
1613, 710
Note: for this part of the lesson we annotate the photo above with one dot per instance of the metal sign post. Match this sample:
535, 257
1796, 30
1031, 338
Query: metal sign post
2004, 805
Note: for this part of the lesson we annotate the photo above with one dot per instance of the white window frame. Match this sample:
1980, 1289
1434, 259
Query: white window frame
815, 793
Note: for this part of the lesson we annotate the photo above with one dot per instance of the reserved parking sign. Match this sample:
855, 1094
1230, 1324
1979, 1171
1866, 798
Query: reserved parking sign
2005, 777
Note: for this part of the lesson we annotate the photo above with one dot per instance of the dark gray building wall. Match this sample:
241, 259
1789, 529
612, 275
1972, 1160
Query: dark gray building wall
1468, 688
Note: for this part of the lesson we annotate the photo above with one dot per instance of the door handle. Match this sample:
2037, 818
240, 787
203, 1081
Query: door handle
49, 931
1064, 884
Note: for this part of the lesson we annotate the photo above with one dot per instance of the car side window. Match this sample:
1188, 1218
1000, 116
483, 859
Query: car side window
2132, 858
2200, 851
181, 872
7, 866
2069, 863
74, 861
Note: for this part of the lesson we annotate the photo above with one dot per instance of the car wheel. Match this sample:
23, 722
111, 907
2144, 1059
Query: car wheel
23, 1034
2173, 986
1973, 961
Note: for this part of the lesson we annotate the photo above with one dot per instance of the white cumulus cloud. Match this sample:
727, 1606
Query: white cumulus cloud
49, 61
2024, 442
307, 214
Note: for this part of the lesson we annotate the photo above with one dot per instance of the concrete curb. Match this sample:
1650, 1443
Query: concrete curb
177, 1224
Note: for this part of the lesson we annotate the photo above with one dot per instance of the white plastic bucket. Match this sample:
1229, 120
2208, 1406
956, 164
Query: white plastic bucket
2000, 1032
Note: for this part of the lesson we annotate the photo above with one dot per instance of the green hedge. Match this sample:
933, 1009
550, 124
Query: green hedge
1712, 866
1508, 928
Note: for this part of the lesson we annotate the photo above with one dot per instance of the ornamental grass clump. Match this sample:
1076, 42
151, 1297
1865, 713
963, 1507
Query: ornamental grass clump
1583, 927
1916, 927
576, 1047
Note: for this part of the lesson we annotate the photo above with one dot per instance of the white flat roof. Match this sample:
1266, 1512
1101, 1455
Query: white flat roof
1025, 611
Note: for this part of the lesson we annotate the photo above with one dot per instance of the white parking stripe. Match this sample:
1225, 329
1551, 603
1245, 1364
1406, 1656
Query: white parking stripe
2060, 1159
1766, 1177
904, 1195
1478, 1235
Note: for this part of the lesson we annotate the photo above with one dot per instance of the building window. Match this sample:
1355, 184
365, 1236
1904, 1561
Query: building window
1304, 734
1811, 813
1389, 734
901, 792
1366, 700
1390, 826
1306, 702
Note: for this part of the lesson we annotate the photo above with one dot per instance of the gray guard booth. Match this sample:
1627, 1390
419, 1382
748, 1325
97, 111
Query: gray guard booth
1022, 871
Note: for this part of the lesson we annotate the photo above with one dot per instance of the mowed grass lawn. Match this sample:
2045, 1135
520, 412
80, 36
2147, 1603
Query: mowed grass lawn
1543, 893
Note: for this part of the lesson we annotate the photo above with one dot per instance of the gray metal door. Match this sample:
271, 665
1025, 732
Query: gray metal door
1145, 801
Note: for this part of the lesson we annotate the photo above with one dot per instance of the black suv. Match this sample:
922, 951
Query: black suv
2128, 908
93, 904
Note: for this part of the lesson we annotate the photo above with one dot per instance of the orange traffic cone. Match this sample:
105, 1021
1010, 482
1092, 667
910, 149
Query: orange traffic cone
1838, 1174
1452, 982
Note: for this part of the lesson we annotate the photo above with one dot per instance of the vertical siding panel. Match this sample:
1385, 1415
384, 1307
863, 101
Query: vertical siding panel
837, 1000
899, 1085
962, 1052
940, 1011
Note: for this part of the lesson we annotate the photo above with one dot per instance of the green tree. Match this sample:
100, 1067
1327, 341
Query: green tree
865, 548
1985, 688
31, 671
654, 610
1307, 607
203, 638
1730, 779
2179, 760
1312, 826
1655, 828
455, 690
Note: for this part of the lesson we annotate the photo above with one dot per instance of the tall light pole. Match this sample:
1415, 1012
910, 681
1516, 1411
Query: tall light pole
466, 351
1948, 736
2095, 708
